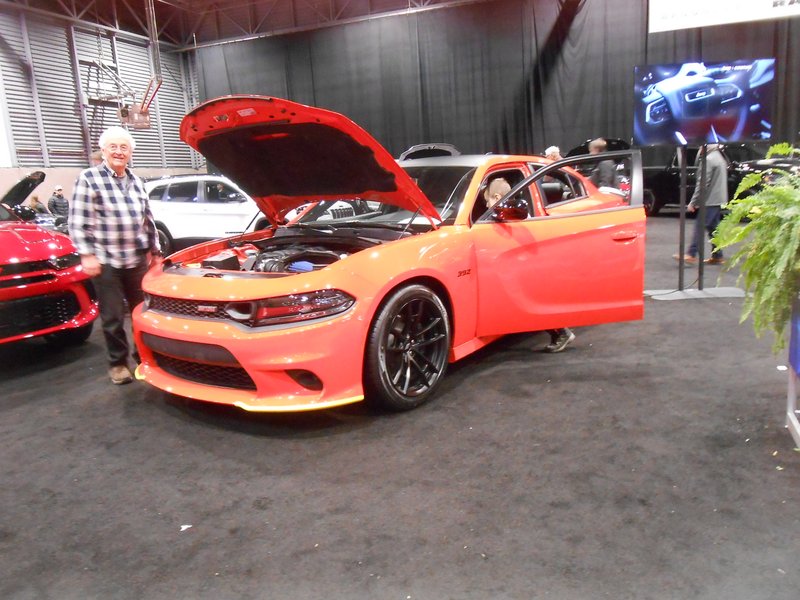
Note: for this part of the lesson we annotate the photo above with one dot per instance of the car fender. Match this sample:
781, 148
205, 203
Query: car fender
444, 256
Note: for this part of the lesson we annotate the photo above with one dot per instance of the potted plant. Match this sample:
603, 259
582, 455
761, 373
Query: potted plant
764, 223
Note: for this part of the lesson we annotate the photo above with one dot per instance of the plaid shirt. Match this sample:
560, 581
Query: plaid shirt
110, 217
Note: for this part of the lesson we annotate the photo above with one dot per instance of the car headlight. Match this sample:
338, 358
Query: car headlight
301, 307
66, 261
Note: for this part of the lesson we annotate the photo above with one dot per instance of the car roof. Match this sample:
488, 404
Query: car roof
153, 181
469, 160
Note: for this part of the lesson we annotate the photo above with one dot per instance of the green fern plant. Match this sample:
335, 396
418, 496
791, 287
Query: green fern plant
764, 223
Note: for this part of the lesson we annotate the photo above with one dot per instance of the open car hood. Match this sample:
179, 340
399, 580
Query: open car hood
286, 154
22, 189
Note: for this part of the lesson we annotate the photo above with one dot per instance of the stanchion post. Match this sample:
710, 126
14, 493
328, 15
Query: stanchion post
682, 234
700, 226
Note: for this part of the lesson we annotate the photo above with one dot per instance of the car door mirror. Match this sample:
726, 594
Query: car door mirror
512, 209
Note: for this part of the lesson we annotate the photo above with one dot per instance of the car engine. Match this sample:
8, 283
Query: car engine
294, 259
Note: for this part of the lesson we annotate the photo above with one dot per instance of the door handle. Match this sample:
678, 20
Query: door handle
625, 236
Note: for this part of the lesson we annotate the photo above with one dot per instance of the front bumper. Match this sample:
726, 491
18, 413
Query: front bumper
311, 366
49, 304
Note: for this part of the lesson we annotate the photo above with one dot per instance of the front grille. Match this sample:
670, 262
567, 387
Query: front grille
216, 375
18, 281
26, 315
188, 308
26, 267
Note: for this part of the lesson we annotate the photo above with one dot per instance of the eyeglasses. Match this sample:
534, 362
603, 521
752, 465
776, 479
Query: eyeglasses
118, 147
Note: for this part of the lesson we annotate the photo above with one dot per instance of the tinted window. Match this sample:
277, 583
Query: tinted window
221, 192
157, 192
439, 184
559, 186
185, 191
6, 215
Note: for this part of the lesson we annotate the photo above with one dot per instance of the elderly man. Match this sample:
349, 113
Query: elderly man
553, 153
113, 229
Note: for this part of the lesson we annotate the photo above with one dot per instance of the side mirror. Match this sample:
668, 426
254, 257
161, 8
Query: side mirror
513, 209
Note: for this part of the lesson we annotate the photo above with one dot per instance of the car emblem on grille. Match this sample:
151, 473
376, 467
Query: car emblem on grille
206, 308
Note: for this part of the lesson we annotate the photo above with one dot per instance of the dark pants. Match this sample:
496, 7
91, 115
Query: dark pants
713, 217
115, 287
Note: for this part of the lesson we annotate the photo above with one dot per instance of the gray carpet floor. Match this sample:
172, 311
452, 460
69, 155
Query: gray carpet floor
648, 461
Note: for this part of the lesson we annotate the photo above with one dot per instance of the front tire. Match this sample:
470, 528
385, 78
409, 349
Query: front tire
407, 349
164, 241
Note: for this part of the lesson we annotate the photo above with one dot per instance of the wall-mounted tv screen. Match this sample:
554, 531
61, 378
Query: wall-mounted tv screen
699, 102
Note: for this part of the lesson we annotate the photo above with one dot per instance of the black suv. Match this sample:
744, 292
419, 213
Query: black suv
662, 172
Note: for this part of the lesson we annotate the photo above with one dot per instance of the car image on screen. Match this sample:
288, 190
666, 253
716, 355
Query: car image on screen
696, 102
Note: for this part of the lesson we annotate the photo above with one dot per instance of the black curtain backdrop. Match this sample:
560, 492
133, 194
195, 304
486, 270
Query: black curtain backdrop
494, 76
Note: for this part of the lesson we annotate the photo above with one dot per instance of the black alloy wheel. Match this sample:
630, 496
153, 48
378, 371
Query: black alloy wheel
407, 349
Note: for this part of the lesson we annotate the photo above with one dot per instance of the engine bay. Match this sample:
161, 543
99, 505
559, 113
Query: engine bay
278, 257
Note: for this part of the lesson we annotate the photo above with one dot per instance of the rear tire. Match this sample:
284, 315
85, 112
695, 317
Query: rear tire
407, 349
651, 205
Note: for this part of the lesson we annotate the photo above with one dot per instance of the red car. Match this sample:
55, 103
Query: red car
374, 305
43, 289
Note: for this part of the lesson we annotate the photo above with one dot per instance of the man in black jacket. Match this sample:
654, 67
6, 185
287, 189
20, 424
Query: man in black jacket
57, 204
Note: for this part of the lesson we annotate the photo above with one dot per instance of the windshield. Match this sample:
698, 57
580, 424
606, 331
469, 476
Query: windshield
6, 214
444, 186
741, 153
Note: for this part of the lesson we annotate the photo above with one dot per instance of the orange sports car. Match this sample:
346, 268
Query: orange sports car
422, 262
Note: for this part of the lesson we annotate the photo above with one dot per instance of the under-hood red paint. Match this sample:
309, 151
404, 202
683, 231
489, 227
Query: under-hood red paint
25, 242
286, 154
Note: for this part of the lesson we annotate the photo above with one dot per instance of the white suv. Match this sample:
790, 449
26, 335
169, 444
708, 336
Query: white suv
193, 208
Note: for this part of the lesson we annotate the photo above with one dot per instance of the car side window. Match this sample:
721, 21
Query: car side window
184, 191
560, 186
157, 192
480, 209
221, 192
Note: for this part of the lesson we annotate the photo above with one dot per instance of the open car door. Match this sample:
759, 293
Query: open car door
577, 260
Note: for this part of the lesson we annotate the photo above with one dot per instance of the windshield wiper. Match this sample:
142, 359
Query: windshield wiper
373, 224
322, 227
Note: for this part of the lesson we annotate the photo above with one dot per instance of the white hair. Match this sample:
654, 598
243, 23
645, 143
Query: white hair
115, 131
552, 150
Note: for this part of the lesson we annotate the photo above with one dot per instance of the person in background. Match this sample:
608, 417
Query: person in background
559, 338
716, 184
605, 173
553, 153
57, 204
37, 205
96, 158
112, 227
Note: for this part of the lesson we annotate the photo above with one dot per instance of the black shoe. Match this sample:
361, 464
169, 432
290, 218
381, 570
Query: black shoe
563, 340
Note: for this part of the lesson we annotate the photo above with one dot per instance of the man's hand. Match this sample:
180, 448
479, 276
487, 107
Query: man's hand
91, 266
154, 259
691, 208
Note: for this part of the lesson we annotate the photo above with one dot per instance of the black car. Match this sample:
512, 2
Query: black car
662, 172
